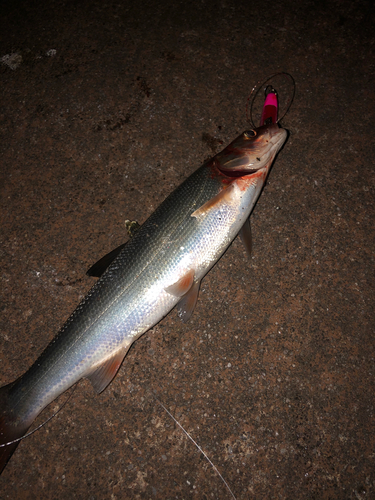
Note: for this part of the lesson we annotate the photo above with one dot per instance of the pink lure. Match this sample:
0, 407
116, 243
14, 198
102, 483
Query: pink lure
270, 107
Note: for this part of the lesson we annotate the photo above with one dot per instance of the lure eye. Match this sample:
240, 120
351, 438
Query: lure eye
249, 134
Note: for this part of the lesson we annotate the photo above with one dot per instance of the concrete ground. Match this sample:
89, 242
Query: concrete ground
105, 108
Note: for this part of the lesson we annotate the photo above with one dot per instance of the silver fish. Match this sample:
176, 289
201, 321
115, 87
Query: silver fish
160, 267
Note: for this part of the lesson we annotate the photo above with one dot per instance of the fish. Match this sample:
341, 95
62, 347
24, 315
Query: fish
159, 268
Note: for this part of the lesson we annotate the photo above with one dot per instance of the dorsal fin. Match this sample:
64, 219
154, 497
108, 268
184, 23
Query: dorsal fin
104, 373
99, 267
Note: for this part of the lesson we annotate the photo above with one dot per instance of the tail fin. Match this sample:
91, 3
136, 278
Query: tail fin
10, 429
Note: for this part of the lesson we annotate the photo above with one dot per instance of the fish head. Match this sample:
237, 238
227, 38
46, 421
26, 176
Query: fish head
251, 151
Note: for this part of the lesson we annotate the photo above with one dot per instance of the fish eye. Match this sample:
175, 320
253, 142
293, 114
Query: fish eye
249, 134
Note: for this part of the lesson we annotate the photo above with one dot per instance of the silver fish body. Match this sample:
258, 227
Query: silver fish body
161, 266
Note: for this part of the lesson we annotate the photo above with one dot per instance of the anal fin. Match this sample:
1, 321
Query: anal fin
103, 374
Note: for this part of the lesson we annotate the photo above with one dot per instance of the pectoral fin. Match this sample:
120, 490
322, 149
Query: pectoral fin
224, 196
186, 306
246, 237
103, 374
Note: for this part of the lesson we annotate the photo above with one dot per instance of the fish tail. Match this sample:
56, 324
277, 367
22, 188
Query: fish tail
10, 427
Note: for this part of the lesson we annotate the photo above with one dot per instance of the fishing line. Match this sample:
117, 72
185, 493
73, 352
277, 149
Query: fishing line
259, 86
164, 408
43, 423
199, 448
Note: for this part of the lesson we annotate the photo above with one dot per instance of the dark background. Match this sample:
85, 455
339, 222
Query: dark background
105, 108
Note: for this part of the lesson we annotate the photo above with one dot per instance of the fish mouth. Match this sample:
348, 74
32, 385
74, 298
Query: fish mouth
272, 145
278, 137
278, 134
